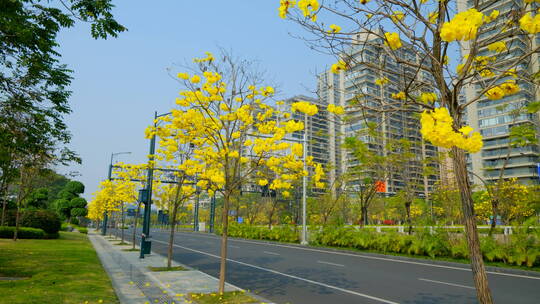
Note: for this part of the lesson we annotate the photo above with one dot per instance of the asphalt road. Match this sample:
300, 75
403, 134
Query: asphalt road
295, 274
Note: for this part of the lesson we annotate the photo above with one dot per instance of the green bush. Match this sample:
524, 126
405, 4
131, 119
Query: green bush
23, 233
82, 230
64, 226
42, 219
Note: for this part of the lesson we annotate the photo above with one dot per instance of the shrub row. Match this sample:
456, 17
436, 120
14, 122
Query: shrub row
277, 233
24, 233
522, 248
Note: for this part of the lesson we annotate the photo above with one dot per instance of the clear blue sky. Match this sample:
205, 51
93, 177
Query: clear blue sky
119, 83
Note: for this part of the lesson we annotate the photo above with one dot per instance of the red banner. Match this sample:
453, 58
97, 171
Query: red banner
380, 186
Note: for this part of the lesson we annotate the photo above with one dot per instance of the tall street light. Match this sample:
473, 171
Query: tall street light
145, 195
304, 185
105, 215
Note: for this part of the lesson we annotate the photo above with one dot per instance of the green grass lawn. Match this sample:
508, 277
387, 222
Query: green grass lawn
64, 270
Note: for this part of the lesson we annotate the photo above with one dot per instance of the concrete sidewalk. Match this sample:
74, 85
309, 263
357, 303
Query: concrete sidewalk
133, 282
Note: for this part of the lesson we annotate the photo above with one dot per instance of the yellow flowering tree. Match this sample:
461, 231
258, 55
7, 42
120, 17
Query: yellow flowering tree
421, 35
134, 175
513, 201
224, 114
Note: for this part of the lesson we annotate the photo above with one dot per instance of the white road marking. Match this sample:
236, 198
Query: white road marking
451, 284
232, 246
288, 275
333, 264
377, 258
268, 252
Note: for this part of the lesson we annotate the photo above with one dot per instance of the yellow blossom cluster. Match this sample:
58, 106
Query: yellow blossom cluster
428, 97
339, 66
509, 87
464, 26
308, 8
530, 24
382, 81
284, 6
318, 175
393, 40
209, 58
437, 127
499, 46
399, 95
334, 29
480, 64
338, 110
305, 107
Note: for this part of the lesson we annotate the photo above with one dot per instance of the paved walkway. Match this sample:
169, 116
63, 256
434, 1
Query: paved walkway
135, 283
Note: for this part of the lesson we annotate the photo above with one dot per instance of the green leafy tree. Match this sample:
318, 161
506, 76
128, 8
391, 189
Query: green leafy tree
38, 199
70, 204
33, 82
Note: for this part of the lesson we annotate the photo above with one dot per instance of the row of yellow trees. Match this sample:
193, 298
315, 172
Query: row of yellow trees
223, 135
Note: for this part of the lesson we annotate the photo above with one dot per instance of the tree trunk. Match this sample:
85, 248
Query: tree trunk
17, 215
408, 212
271, 214
483, 292
225, 227
495, 211
171, 237
3, 212
363, 216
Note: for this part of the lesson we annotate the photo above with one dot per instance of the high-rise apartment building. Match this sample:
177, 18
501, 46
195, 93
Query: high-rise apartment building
367, 103
493, 118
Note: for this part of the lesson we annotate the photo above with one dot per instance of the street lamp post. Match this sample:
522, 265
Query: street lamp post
105, 215
146, 196
304, 185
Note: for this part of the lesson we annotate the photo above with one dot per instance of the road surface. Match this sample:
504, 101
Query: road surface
295, 274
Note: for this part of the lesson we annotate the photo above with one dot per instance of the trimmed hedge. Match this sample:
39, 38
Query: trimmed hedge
277, 233
23, 233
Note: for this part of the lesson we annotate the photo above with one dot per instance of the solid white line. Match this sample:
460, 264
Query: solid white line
451, 284
268, 252
288, 275
377, 258
333, 264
